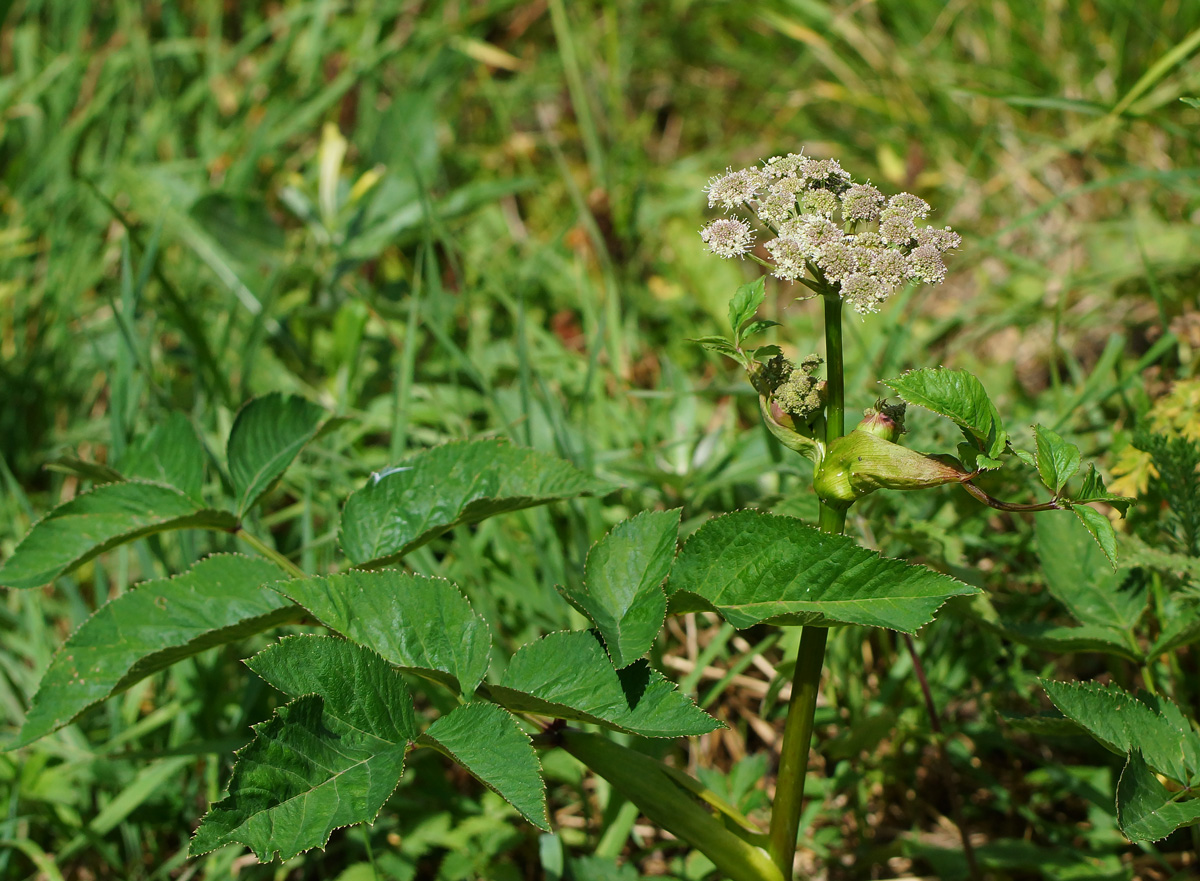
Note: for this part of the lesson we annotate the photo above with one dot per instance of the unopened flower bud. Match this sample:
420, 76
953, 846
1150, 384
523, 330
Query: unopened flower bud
884, 420
793, 433
861, 462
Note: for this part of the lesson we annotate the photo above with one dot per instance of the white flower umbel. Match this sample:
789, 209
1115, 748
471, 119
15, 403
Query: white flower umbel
728, 237
859, 243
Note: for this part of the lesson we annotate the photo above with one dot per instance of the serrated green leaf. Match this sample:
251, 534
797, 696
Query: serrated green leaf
306, 773
1078, 577
1026, 457
567, 675
751, 567
745, 303
406, 506
1146, 810
487, 741
623, 578
169, 453
268, 433
358, 685
721, 346
755, 327
1093, 490
766, 353
1101, 529
959, 396
1057, 460
147, 629
101, 519
421, 624
1122, 722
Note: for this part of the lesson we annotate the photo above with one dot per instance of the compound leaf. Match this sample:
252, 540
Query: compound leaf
623, 576
421, 624
487, 741
268, 433
101, 519
567, 675
1123, 722
437, 489
957, 395
147, 629
751, 567
306, 773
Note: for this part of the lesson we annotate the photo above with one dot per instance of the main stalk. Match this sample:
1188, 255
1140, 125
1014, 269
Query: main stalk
806, 680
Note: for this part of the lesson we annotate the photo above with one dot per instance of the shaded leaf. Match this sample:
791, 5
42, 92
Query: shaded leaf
745, 303
421, 624
1057, 460
1147, 810
720, 345
959, 396
92, 471
1101, 529
99, 520
147, 629
169, 453
623, 576
1078, 576
751, 567
759, 326
1065, 640
267, 435
358, 685
567, 675
487, 741
306, 773
406, 506
1182, 628
1123, 722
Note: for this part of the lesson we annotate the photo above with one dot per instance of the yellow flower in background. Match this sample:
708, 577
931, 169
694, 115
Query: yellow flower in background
1177, 412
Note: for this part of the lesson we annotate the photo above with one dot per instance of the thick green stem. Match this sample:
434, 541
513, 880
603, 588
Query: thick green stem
649, 785
270, 553
806, 680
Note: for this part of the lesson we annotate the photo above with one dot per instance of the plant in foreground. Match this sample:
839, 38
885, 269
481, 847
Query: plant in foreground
333, 755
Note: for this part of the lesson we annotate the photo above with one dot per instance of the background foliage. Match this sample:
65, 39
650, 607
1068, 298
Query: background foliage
448, 220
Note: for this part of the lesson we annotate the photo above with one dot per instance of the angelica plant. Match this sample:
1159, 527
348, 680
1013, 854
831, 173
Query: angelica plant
334, 752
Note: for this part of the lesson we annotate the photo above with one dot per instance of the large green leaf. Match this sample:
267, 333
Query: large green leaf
306, 773
751, 567
170, 453
408, 505
1147, 810
487, 741
419, 623
158, 623
267, 435
1079, 577
1057, 460
357, 685
98, 520
959, 396
623, 576
1123, 722
568, 676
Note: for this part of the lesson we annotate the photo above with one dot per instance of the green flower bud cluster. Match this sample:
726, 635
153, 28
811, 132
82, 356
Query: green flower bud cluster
846, 234
792, 401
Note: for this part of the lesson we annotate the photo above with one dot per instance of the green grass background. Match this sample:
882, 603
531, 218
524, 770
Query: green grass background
457, 219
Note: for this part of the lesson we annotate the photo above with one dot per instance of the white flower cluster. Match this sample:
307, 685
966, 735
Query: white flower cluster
849, 234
